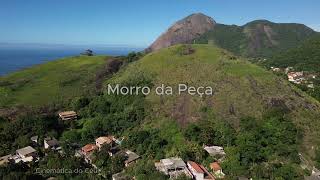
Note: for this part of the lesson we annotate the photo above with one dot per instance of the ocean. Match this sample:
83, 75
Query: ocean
17, 58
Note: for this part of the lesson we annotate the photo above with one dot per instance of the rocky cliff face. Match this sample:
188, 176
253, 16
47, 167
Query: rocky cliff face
184, 31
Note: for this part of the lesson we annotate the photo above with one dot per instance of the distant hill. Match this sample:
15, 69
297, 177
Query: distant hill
184, 31
241, 90
52, 82
259, 38
305, 57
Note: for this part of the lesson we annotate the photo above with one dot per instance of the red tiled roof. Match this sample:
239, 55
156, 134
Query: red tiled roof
215, 166
208, 175
196, 167
89, 147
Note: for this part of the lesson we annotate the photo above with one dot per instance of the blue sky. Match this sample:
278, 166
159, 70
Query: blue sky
135, 23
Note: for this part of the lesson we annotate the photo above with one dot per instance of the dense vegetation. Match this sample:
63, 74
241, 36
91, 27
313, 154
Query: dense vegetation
258, 38
306, 57
259, 119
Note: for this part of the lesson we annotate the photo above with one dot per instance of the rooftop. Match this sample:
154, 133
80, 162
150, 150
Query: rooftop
215, 166
26, 150
52, 142
131, 156
195, 166
104, 139
172, 163
89, 147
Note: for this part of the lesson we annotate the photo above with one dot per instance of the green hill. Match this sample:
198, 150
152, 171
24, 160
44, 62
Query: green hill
259, 38
261, 120
52, 82
305, 57
241, 90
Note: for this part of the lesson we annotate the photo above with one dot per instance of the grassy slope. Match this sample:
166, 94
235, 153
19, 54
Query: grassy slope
245, 87
50, 82
250, 40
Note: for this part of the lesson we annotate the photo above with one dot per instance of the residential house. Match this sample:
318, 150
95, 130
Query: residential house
34, 139
217, 170
68, 115
131, 157
104, 140
51, 143
173, 167
26, 154
87, 151
215, 150
295, 77
199, 172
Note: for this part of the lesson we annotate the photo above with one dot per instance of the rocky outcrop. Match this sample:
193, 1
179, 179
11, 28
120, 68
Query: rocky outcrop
184, 31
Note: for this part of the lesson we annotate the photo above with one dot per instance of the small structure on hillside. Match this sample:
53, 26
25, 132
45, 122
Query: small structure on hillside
87, 52
131, 158
295, 77
68, 115
173, 167
26, 154
87, 151
51, 143
215, 150
34, 139
103, 140
199, 172
217, 170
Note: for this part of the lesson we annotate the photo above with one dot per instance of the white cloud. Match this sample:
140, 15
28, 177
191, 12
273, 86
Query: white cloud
315, 27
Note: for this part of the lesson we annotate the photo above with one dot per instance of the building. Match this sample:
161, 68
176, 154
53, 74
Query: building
173, 167
34, 139
68, 115
215, 150
87, 151
51, 143
26, 154
103, 141
199, 172
131, 158
217, 170
295, 77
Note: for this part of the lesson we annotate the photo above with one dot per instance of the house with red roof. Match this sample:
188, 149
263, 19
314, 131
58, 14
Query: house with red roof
87, 151
217, 170
199, 172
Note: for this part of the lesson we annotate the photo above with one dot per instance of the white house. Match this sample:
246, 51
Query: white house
173, 167
26, 154
215, 150
100, 141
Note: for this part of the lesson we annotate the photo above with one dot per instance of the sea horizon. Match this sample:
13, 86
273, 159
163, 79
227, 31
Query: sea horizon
15, 57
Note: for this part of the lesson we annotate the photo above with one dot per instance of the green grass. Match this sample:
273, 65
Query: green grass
245, 87
52, 82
